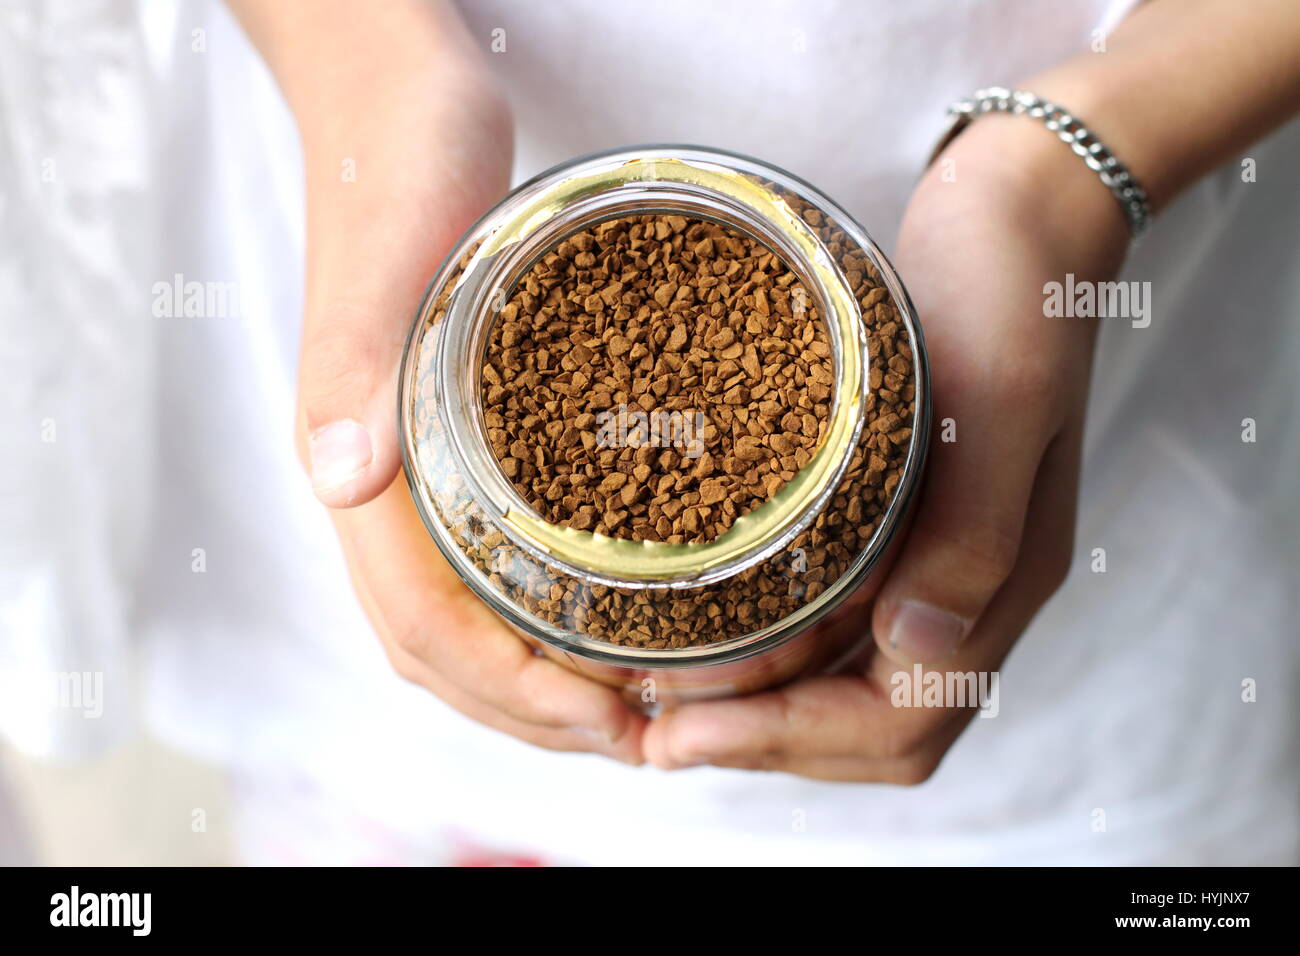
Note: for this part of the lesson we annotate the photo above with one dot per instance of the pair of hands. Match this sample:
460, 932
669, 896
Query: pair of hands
993, 533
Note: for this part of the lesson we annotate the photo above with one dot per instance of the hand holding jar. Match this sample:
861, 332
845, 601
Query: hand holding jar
389, 191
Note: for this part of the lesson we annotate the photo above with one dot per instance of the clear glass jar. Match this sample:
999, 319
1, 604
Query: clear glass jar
758, 592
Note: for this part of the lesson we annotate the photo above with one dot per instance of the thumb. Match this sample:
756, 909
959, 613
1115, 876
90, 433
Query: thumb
372, 246
347, 382
969, 519
369, 261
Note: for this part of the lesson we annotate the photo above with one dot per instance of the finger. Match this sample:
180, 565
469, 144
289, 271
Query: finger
370, 255
910, 770
429, 613
1044, 562
822, 717
626, 748
353, 333
581, 739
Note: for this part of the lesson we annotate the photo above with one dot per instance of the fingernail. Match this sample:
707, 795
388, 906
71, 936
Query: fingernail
340, 451
604, 736
684, 759
922, 632
686, 763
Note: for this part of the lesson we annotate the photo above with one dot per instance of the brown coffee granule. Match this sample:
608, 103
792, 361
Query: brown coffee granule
762, 595
654, 378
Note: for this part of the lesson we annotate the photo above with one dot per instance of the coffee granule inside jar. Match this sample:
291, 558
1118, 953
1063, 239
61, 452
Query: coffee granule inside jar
767, 593
654, 378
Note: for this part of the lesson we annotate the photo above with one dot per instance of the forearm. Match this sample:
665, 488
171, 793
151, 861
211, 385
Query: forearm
1184, 85
395, 108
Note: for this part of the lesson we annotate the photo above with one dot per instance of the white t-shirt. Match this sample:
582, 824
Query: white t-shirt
168, 521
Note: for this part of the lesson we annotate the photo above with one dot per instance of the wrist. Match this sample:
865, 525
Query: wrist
1098, 89
1040, 187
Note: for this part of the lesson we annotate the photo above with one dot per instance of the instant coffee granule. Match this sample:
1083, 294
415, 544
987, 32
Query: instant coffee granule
762, 595
654, 378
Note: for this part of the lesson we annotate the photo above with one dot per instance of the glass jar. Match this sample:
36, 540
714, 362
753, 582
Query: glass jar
786, 590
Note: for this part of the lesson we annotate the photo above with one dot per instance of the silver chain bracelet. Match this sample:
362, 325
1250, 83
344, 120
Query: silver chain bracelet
1130, 195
